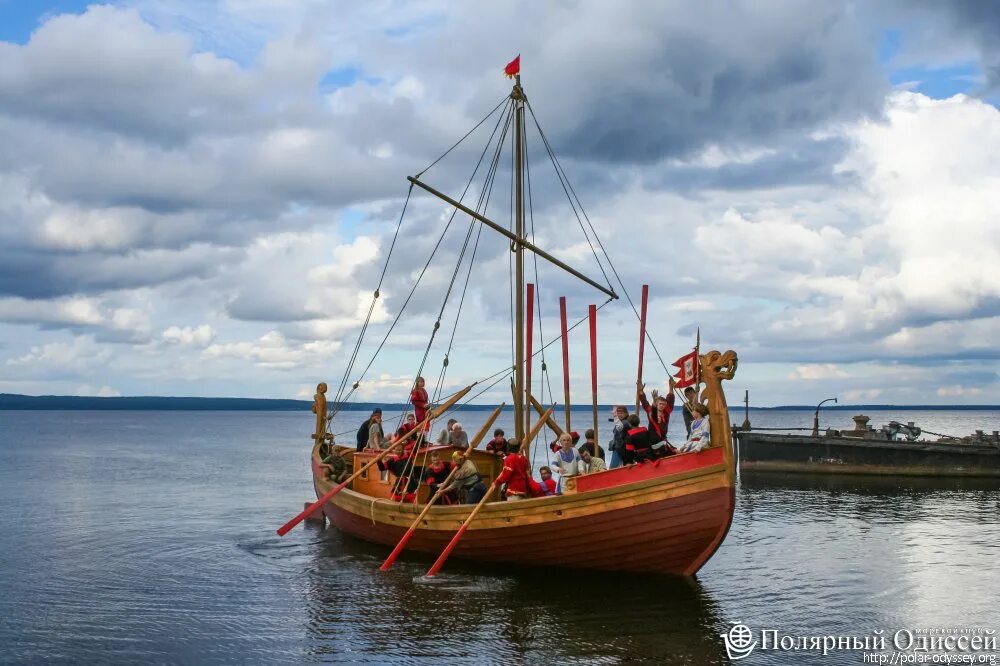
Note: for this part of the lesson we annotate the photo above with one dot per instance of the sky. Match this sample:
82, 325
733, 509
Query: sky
199, 198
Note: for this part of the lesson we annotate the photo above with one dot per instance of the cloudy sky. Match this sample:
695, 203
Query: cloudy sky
198, 198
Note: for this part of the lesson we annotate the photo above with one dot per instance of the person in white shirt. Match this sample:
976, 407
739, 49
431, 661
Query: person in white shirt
590, 463
567, 460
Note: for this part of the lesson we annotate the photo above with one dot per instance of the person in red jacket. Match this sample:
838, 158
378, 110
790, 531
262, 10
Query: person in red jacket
517, 475
659, 412
420, 400
435, 474
548, 484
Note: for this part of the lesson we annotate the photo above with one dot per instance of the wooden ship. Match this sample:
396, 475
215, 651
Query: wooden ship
665, 516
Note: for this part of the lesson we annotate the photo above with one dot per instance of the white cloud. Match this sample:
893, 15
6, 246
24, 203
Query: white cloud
155, 174
818, 371
190, 336
958, 391
77, 312
273, 351
97, 392
861, 395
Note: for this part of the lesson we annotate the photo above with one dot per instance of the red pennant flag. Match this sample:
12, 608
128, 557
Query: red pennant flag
689, 369
513, 68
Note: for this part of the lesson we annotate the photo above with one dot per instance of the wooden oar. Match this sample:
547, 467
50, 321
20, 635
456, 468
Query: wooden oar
389, 561
434, 413
436, 567
541, 410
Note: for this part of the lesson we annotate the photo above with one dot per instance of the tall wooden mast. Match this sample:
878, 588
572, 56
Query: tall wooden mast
520, 413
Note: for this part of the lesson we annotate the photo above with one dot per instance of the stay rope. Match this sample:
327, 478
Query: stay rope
481, 207
423, 271
569, 186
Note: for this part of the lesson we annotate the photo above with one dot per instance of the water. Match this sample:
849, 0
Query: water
149, 537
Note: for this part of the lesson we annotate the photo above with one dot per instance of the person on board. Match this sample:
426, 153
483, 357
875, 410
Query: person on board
458, 437
376, 436
435, 474
690, 397
556, 444
420, 401
365, 431
591, 445
548, 485
591, 464
659, 413
409, 423
618, 434
445, 435
334, 462
516, 474
567, 460
700, 436
638, 442
466, 482
499, 445
404, 488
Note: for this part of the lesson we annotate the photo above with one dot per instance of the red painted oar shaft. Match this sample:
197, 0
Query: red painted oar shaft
528, 438
642, 340
565, 355
434, 413
389, 561
394, 555
458, 535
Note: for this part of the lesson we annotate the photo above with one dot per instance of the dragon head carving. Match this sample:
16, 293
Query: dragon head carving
719, 365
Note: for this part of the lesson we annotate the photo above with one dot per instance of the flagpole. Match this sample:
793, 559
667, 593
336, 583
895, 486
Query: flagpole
697, 359
565, 355
642, 342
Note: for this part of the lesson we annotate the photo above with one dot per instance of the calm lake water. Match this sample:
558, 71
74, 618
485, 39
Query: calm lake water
148, 537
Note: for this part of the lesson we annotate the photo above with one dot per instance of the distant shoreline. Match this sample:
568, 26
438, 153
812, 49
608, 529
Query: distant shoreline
12, 401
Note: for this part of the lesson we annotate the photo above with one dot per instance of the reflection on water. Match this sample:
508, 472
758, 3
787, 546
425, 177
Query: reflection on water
476, 612
150, 538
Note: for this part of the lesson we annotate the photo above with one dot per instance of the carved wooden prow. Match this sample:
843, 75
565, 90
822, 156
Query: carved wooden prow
319, 409
716, 366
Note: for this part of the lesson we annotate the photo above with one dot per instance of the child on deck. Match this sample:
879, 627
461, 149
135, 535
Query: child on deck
700, 436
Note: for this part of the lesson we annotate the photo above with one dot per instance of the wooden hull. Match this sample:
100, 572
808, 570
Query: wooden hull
760, 452
668, 517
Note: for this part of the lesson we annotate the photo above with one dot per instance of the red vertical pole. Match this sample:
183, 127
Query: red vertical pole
529, 325
592, 313
565, 351
642, 341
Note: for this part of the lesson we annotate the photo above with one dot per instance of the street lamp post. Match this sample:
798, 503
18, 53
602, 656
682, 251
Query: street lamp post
816, 416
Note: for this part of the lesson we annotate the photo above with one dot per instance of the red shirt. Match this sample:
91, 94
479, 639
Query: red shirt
549, 486
658, 424
516, 474
418, 398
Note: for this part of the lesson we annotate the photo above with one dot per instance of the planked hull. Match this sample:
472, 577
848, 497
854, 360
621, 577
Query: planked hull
665, 518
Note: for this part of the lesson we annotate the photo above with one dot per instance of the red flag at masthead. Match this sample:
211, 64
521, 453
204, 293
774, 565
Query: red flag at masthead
513, 68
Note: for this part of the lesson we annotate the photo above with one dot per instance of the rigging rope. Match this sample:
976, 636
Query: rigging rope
481, 207
559, 169
427, 168
423, 271
543, 376
339, 398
